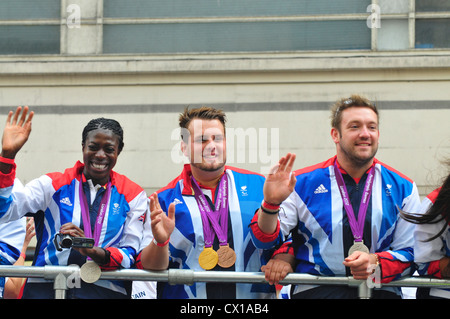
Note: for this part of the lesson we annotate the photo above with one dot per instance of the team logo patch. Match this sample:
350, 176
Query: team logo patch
321, 189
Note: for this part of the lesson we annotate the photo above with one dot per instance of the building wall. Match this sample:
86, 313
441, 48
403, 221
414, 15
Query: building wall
274, 68
275, 103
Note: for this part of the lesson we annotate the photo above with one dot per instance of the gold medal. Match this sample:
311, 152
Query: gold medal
208, 258
227, 256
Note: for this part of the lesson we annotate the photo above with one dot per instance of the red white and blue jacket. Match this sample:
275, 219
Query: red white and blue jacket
55, 197
428, 253
321, 236
12, 237
187, 241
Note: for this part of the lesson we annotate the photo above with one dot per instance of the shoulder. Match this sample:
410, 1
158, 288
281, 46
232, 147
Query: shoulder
125, 186
170, 186
243, 171
433, 195
317, 167
59, 179
393, 172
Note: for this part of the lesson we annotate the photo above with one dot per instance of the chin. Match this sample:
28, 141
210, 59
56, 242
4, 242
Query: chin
209, 167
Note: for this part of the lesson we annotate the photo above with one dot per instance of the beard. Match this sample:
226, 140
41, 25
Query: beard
359, 160
209, 167
206, 164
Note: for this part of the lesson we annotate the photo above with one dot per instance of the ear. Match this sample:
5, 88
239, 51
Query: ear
184, 148
335, 135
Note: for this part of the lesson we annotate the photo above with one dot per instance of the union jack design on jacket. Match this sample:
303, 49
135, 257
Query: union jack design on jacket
314, 213
427, 254
56, 194
187, 241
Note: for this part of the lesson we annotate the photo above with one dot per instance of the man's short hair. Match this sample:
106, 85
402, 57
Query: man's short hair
353, 101
203, 113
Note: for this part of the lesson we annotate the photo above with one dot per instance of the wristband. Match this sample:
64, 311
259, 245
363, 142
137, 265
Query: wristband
5, 160
159, 244
270, 206
377, 261
23, 256
270, 212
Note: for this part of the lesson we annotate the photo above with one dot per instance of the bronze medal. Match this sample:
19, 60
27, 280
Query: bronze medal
227, 256
208, 258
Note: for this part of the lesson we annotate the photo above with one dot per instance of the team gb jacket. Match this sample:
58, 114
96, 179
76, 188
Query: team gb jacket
56, 195
428, 253
187, 241
314, 214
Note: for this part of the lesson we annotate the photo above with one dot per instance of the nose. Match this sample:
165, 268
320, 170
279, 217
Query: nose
100, 154
364, 133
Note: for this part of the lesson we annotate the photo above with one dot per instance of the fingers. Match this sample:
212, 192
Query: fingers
171, 213
72, 230
19, 117
290, 158
274, 169
292, 181
275, 271
286, 163
359, 265
154, 202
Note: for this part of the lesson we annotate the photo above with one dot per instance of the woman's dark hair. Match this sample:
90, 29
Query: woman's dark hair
439, 211
106, 124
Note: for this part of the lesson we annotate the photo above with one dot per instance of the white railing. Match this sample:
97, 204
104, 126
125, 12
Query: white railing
61, 275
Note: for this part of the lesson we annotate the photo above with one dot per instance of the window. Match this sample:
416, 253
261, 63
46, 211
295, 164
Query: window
432, 24
178, 26
30, 27
221, 26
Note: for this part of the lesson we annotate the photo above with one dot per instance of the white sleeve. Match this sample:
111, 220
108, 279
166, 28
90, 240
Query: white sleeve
18, 200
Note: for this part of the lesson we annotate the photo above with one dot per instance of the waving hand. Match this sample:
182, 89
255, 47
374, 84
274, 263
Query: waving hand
16, 132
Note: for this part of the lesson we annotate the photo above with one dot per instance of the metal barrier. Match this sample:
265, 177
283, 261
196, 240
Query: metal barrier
61, 274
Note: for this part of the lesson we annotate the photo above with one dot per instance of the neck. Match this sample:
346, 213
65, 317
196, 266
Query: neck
207, 178
356, 171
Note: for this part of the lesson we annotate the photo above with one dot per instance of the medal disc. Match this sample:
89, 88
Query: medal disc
358, 246
208, 258
90, 272
227, 256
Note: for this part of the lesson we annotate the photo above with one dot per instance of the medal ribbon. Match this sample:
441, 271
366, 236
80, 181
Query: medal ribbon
100, 215
357, 226
219, 220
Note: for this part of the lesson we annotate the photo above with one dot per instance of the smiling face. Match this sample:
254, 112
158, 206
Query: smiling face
100, 152
206, 146
357, 137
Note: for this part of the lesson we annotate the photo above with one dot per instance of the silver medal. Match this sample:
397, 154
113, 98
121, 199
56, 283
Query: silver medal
90, 272
358, 246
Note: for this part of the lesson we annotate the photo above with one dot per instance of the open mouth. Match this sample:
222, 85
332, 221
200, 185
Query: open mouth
100, 167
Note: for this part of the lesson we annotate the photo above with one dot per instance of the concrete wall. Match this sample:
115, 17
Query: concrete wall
281, 99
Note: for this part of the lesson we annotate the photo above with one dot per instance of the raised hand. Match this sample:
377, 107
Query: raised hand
16, 132
162, 224
280, 182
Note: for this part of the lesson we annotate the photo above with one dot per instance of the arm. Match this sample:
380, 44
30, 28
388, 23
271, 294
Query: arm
281, 263
444, 267
278, 186
155, 256
14, 285
15, 134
